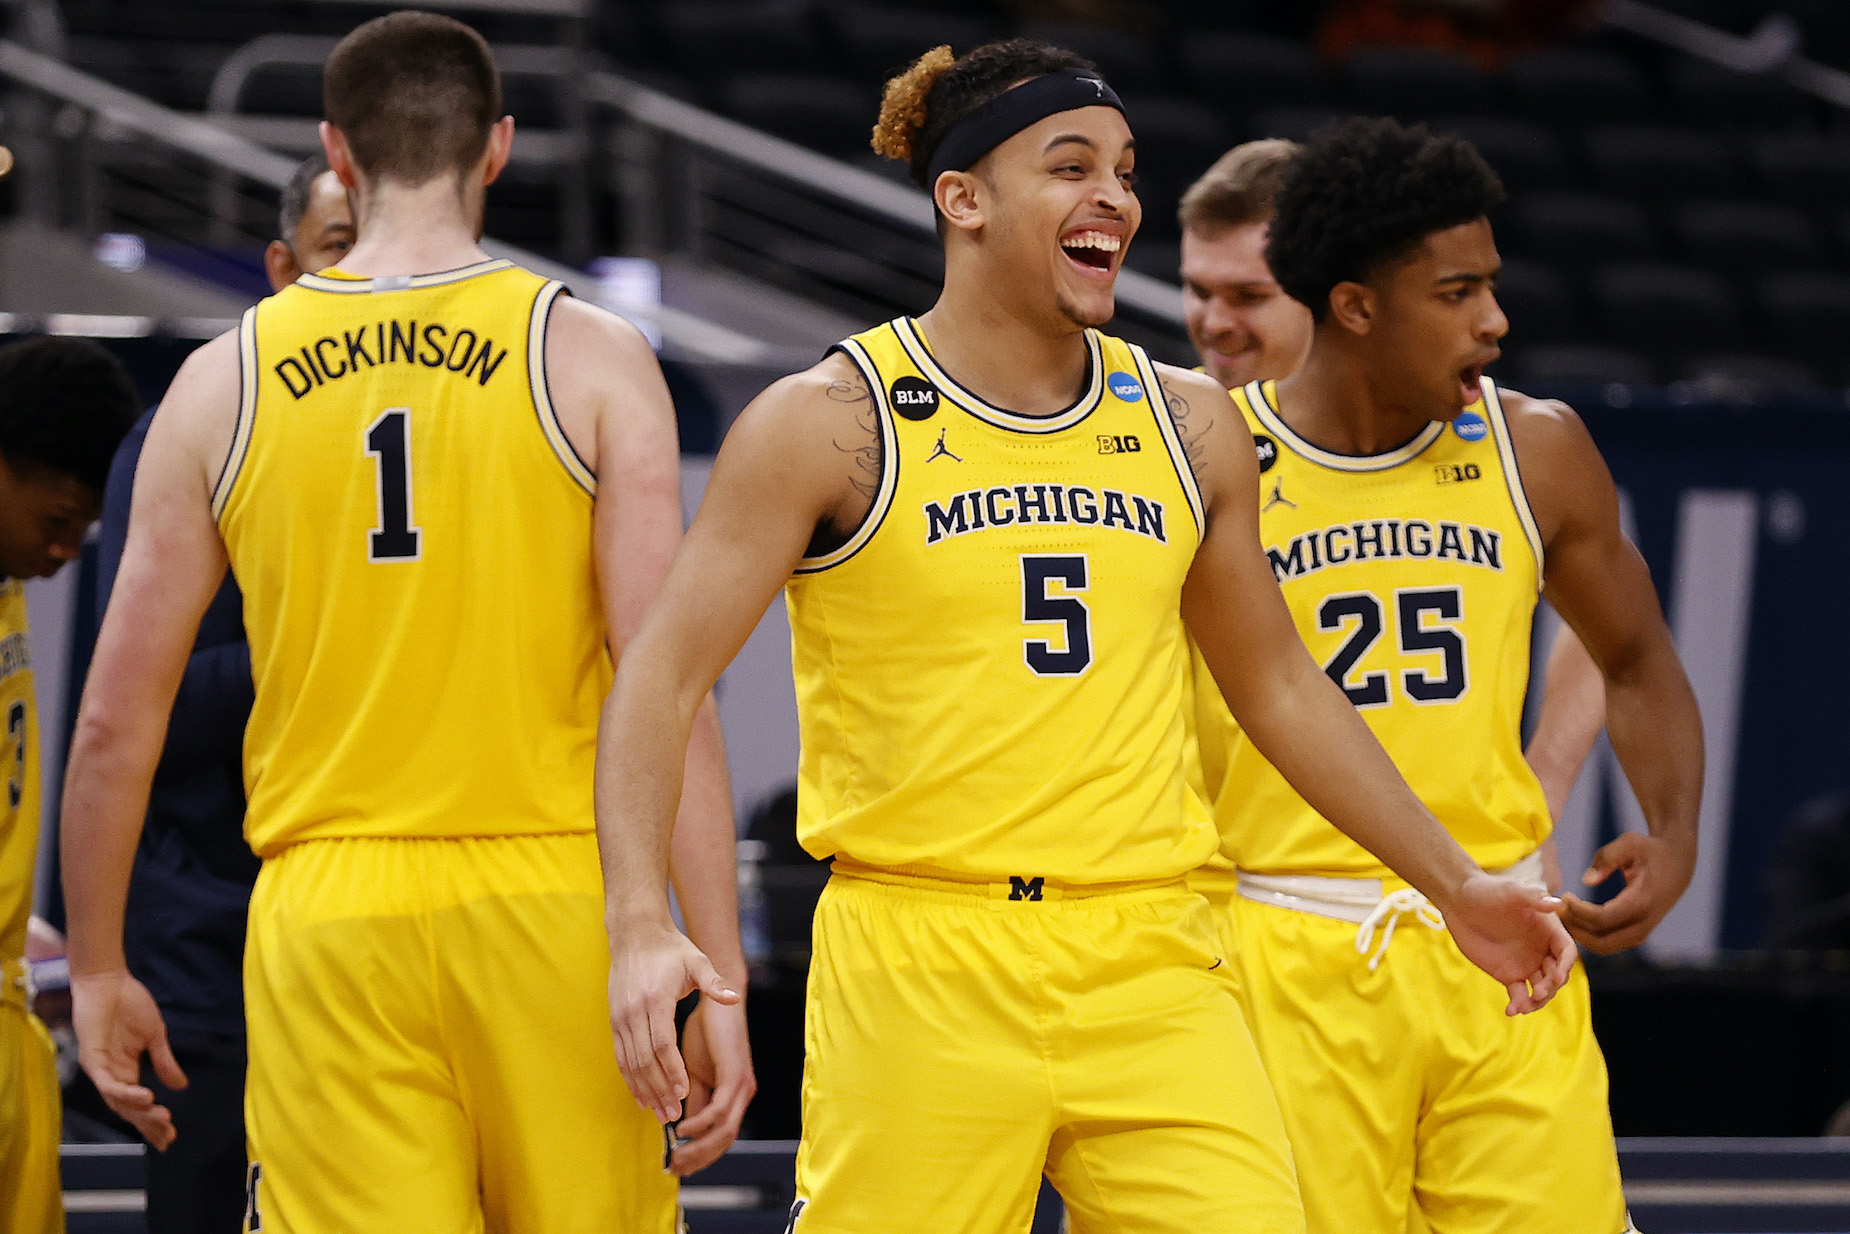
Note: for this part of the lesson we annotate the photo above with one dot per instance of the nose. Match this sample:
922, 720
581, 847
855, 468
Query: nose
1495, 324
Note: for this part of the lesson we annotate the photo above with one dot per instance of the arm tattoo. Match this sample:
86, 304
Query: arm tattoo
865, 445
1190, 426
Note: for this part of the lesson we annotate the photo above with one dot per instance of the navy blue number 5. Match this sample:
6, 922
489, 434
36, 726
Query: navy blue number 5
1040, 607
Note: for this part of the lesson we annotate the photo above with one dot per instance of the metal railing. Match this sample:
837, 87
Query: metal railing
1772, 49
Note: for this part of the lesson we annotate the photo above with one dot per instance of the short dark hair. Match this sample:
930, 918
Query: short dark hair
294, 202
65, 405
1363, 193
414, 93
1239, 189
922, 103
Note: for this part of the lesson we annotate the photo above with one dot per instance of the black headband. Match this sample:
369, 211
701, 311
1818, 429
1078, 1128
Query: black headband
1014, 110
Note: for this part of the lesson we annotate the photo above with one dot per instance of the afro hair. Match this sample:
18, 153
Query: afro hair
1364, 193
65, 405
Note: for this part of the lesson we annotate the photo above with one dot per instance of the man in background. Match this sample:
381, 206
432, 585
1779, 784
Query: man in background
193, 871
64, 404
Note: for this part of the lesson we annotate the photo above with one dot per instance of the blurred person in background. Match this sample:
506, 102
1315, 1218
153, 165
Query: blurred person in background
184, 932
64, 405
1246, 328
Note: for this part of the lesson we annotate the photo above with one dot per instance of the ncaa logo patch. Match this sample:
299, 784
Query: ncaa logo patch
914, 398
1125, 387
1470, 426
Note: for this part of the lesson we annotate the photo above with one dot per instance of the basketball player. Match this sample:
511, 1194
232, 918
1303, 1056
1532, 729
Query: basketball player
1412, 513
191, 886
985, 519
1245, 328
64, 404
447, 493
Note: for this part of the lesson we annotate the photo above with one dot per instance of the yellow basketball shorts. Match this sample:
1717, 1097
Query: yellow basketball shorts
430, 1045
31, 1197
961, 1043
1411, 1100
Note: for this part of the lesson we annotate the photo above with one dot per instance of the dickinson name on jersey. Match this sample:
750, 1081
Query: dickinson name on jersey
1386, 538
390, 342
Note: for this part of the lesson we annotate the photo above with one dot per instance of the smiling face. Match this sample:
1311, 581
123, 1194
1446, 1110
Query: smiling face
1052, 210
1435, 322
1243, 325
44, 515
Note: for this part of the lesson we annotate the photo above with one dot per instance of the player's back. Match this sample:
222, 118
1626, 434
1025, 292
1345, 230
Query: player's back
412, 532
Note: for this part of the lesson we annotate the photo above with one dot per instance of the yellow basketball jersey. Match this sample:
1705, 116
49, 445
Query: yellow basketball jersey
989, 672
1413, 577
19, 762
412, 532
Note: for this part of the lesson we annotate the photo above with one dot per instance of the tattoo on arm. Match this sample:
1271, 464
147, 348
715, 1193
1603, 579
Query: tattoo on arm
864, 445
1191, 426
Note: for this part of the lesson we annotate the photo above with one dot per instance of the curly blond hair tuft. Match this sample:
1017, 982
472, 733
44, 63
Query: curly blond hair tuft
902, 106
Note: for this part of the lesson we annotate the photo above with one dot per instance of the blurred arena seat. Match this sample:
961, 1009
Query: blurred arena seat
1416, 84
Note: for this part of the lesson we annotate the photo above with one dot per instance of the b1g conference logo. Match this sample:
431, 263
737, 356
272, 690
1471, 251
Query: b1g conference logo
914, 398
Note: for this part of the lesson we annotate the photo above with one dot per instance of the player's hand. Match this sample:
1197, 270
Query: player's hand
117, 1022
1511, 932
719, 1070
1656, 870
651, 970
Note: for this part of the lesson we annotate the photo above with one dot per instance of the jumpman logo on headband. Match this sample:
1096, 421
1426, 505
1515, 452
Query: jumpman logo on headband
1096, 83
942, 451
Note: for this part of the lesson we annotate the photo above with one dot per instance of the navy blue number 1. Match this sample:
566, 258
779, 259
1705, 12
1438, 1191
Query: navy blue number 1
1068, 610
388, 439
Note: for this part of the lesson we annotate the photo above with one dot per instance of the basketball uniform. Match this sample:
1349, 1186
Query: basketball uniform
1009, 974
1413, 577
30, 1109
425, 968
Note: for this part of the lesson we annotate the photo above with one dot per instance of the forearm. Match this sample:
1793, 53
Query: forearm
105, 801
702, 858
1657, 733
1573, 712
642, 750
1319, 743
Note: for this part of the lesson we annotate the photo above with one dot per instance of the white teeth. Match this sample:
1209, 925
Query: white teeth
1092, 240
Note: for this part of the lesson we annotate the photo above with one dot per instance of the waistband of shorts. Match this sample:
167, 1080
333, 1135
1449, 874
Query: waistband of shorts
1353, 900
13, 983
1018, 887
1217, 884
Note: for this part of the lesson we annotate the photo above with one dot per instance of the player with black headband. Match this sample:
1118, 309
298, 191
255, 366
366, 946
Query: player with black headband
990, 521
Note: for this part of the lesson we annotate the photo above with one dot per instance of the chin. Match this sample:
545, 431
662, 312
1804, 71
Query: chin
1081, 313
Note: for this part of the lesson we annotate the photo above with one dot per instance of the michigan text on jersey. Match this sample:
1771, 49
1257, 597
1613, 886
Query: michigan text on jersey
1386, 539
1005, 506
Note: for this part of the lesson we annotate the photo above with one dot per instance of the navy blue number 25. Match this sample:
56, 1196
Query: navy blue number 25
388, 439
1069, 610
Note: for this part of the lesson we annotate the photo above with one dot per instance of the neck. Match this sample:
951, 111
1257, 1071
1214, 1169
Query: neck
1022, 360
1334, 402
414, 229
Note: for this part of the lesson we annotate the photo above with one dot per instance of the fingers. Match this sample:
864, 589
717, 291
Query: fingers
1612, 857
712, 985
715, 1128
641, 1063
1623, 921
135, 1104
165, 1065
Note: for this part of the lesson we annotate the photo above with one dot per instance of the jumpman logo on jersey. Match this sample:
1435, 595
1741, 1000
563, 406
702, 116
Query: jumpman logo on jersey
941, 451
1278, 498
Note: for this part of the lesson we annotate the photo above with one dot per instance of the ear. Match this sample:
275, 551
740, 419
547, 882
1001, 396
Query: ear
500, 145
958, 195
340, 157
1354, 306
280, 264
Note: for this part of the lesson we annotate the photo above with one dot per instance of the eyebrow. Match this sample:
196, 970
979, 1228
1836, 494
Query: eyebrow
1079, 139
1469, 277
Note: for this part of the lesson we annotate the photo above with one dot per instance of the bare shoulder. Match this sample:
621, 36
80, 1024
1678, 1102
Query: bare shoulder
1562, 471
585, 332
1543, 427
198, 416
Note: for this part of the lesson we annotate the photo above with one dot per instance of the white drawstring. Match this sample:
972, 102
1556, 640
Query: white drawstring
1390, 909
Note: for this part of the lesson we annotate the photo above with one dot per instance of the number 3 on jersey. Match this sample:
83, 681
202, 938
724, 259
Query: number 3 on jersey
1040, 605
388, 439
1418, 636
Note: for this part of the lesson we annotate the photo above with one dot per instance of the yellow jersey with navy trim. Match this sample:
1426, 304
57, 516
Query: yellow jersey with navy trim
1413, 577
19, 762
412, 532
990, 671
